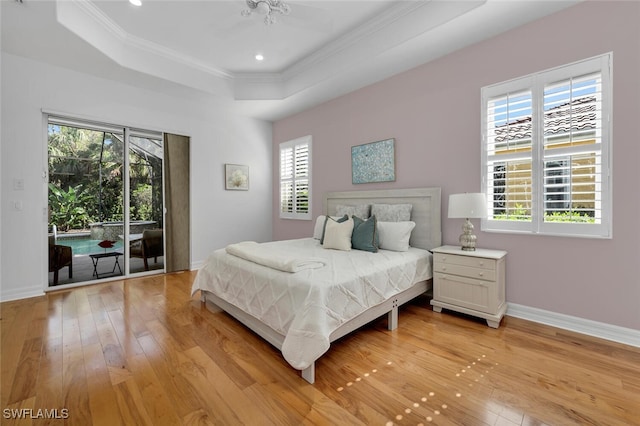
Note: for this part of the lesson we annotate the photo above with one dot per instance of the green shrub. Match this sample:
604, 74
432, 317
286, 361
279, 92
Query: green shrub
68, 207
141, 205
519, 213
573, 217
522, 214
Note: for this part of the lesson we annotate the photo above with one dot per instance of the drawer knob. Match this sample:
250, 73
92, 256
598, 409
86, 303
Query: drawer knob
481, 274
444, 268
481, 263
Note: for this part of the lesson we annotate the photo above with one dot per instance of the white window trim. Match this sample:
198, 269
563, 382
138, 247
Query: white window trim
292, 144
535, 83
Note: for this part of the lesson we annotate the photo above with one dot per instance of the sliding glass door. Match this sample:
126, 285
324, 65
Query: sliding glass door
97, 173
146, 202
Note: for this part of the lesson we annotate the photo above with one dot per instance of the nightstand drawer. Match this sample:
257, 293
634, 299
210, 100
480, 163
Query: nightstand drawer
470, 293
474, 262
466, 271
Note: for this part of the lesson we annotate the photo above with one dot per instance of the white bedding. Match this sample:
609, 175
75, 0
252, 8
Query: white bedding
307, 306
282, 260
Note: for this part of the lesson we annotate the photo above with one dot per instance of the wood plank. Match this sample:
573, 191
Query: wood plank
74, 380
50, 390
88, 331
20, 413
182, 395
131, 403
26, 377
156, 402
230, 407
14, 333
103, 402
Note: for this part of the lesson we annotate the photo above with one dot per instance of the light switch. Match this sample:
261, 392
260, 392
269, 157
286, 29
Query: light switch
18, 184
17, 205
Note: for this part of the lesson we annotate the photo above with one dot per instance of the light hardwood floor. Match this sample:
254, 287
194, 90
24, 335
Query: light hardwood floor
144, 352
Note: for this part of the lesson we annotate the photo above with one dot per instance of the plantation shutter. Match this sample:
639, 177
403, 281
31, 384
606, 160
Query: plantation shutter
509, 156
286, 180
572, 149
301, 163
295, 179
546, 151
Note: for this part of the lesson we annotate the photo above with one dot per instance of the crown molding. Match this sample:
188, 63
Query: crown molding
385, 31
360, 49
172, 55
356, 35
97, 15
127, 40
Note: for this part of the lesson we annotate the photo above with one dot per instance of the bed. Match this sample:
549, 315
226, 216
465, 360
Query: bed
333, 292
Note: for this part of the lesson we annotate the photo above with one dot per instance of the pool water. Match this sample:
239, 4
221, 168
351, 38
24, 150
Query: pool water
86, 246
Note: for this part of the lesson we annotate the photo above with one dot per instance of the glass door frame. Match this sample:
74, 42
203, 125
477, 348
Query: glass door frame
134, 132
126, 131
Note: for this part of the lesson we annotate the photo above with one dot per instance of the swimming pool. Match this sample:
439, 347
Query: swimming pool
85, 246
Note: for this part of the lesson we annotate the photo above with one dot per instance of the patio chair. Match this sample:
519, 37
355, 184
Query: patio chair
150, 245
59, 257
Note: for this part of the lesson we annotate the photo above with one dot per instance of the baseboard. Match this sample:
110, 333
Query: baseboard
21, 294
614, 333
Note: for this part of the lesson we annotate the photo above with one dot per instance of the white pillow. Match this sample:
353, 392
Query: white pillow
338, 235
319, 226
395, 236
317, 229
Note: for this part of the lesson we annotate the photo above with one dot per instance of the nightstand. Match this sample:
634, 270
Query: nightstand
471, 282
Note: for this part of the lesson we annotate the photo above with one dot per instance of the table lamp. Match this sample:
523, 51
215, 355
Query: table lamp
467, 206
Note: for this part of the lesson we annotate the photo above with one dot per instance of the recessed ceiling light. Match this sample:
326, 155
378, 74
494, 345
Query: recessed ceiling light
136, 2
259, 57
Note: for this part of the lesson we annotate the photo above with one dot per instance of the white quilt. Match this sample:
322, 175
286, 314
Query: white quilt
307, 306
267, 255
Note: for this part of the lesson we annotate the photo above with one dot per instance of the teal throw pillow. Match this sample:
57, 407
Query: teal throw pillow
365, 234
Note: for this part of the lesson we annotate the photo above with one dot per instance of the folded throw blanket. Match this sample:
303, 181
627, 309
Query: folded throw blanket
267, 256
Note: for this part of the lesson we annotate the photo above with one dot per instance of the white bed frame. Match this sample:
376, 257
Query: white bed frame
426, 235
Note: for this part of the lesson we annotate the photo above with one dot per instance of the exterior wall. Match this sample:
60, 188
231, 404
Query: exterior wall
516, 194
433, 111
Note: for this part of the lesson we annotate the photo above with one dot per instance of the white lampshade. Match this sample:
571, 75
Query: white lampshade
468, 205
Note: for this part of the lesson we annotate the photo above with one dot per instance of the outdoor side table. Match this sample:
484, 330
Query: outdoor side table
96, 257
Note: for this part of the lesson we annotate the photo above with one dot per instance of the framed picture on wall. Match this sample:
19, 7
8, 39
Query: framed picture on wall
236, 177
373, 162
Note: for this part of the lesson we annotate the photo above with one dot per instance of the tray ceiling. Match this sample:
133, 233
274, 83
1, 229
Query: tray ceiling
322, 49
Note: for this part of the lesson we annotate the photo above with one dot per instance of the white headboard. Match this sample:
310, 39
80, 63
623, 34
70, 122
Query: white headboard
425, 213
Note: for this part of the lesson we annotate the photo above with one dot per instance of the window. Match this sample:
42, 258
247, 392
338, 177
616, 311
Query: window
295, 179
545, 156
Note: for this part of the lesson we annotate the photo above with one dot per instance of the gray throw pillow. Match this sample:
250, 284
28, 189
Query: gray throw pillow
365, 234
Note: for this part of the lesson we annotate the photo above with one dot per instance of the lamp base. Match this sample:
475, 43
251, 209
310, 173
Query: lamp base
467, 239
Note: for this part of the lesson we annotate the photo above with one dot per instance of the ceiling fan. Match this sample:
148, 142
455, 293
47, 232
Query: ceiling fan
302, 17
267, 8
